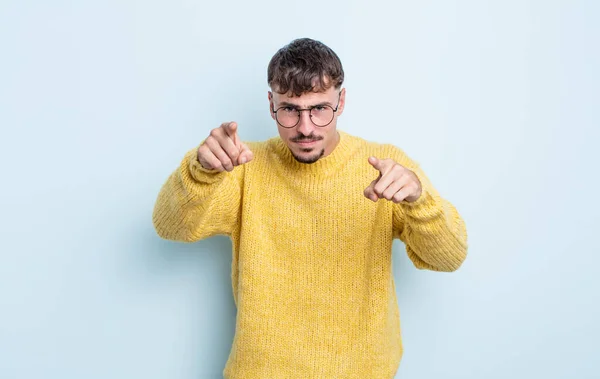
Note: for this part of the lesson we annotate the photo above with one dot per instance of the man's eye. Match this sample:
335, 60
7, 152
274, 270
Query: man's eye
319, 108
288, 109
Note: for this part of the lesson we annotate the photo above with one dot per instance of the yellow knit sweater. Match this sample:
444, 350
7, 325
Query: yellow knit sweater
311, 266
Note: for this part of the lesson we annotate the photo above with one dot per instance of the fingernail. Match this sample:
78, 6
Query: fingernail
243, 160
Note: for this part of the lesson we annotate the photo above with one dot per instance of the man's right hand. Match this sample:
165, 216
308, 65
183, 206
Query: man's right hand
223, 150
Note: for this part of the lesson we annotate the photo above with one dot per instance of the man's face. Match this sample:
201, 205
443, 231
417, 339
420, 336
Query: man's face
307, 141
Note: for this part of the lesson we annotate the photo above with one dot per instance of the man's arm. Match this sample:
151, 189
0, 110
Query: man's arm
200, 200
433, 231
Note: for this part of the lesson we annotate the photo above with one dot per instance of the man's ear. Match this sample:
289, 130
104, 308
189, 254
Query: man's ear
270, 96
342, 103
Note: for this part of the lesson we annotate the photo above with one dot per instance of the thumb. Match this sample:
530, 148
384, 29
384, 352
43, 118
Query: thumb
246, 155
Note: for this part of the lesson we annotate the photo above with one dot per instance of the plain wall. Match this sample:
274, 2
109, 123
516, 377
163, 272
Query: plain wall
99, 100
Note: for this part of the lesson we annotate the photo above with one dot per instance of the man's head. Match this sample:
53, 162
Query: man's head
306, 97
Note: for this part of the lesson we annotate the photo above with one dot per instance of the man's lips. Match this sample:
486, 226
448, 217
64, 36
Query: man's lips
306, 142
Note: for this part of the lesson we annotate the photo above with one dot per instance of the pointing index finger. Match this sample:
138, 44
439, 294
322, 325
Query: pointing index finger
232, 131
376, 163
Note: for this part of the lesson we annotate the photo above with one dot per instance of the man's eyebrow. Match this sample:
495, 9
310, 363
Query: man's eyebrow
322, 103
286, 104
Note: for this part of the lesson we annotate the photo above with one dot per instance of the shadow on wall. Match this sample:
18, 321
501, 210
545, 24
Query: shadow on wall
207, 265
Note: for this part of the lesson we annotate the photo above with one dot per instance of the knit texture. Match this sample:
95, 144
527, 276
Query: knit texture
311, 265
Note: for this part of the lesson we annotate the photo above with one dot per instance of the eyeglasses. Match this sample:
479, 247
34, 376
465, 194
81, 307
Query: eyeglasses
288, 116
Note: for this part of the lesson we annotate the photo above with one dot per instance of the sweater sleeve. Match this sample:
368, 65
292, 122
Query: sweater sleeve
195, 203
433, 231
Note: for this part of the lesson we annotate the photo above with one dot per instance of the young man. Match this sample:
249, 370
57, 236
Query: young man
312, 215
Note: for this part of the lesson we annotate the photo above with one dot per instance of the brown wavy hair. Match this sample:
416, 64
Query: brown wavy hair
304, 65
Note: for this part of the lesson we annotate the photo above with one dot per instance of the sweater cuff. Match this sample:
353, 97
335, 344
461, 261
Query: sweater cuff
423, 205
427, 204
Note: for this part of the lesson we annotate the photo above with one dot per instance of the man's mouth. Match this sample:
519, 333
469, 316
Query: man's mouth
304, 142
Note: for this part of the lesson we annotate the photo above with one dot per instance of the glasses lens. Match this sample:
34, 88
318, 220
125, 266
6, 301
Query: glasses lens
322, 115
288, 117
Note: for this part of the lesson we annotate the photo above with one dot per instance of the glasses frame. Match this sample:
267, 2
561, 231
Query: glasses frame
299, 110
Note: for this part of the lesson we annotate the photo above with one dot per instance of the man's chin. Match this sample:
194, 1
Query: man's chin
308, 156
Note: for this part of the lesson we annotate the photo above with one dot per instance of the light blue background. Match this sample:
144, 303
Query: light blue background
99, 100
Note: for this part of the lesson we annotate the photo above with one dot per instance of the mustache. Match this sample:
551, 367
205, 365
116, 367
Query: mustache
302, 138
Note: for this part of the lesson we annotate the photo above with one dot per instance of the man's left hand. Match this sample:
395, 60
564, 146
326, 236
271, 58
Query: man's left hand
395, 182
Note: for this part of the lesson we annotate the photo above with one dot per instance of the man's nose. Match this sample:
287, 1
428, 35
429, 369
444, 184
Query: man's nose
305, 125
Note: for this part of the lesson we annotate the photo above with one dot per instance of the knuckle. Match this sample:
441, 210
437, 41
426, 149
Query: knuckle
215, 163
212, 144
227, 162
